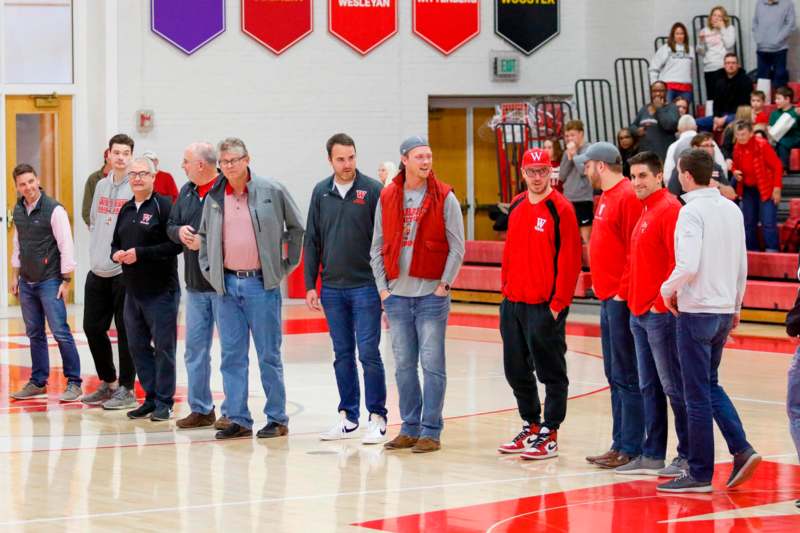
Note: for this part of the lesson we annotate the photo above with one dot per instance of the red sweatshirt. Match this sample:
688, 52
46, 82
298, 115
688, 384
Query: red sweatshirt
614, 219
528, 256
652, 252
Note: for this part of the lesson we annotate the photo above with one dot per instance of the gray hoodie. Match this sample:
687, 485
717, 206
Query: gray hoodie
107, 201
773, 23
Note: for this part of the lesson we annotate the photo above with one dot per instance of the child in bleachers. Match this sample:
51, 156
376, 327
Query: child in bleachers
790, 139
757, 101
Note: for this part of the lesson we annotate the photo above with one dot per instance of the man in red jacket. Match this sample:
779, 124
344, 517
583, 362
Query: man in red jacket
609, 249
759, 177
541, 263
652, 259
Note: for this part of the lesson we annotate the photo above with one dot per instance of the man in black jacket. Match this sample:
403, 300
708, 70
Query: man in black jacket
200, 165
732, 90
341, 219
150, 273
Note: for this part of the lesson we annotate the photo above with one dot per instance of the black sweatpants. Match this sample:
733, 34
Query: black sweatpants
534, 345
104, 299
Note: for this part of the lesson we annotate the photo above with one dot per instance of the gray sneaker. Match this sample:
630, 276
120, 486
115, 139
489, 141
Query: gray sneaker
72, 394
678, 466
30, 391
103, 393
122, 399
641, 466
685, 483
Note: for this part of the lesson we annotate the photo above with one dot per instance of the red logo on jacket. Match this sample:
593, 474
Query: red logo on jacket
360, 197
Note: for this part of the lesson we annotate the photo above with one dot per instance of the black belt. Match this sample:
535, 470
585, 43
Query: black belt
245, 273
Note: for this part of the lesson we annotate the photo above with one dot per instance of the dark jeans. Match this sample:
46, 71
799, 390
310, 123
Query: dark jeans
354, 320
711, 79
152, 322
755, 211
772, 66
707, 123
785, 155
659, 378
619, 363
38, 301
534, 346
701, 337
105, 299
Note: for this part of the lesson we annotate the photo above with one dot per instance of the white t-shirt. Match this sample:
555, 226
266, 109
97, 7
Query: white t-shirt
343, 188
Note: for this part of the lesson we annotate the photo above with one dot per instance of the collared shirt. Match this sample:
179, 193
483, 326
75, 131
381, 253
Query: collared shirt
59, 222
239, 247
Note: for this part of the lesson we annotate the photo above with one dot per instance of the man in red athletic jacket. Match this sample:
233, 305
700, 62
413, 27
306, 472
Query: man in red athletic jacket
541, 263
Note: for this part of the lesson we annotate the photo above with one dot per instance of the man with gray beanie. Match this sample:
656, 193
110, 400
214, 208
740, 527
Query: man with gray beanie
417, 250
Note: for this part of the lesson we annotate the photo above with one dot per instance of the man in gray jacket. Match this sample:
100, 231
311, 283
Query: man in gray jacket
246, 222
773, 23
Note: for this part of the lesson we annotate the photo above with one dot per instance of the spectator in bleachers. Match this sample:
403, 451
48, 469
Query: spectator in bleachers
790, 139
732, 90
577, 187
682, 104
758, 174
673, 64
554, 148
773, 23
757, 101
716, 39
744, 113
704, 141
656, 123
687, 130
628, 147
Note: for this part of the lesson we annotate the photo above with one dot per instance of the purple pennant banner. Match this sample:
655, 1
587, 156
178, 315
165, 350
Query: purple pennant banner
188, 24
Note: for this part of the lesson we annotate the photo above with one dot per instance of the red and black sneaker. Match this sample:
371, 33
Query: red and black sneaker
522, 441
544, 447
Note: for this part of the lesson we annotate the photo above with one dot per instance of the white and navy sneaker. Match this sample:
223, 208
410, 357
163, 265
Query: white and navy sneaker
344, 429
376, 430
544, 447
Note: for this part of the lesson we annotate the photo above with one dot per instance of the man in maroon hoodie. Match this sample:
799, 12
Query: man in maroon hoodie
541, 263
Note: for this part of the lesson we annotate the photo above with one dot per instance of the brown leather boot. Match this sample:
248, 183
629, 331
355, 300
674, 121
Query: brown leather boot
603, 457
197, 420
615, 461
426, 445
401, 442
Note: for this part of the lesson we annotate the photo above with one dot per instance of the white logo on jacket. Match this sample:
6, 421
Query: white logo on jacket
540, 222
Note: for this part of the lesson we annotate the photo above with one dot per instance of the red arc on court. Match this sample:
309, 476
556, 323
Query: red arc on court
277, 24
446, 26
362, 24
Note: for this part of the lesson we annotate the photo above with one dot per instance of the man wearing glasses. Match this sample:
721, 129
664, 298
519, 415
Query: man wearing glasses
246, 222
541, 263
705, 142
150, 273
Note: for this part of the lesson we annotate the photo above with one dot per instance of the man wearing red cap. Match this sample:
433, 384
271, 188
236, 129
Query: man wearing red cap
541, 263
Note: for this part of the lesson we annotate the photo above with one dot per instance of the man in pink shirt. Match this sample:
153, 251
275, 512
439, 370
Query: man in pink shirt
42, 262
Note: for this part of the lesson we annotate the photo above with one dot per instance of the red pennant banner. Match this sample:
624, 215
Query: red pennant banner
446, 25
277, 24
362, 24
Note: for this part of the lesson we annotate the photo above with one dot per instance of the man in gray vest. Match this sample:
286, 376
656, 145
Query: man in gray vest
42, 262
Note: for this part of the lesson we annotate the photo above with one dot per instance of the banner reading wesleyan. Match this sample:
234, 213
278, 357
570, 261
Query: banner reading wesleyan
277, 24
445, 24
187, 24
526, 24
362, 24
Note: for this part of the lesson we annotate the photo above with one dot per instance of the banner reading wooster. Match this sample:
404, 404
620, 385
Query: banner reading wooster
362, 24
526, 24
445, 24
277, 24
187, 24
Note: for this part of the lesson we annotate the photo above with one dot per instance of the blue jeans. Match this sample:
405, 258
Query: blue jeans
151, 322
701, 337
785, 155
772, 66
418, 328
707, 123
755, 211
247, 308
659, 378
672, 95
201, 311
38, 301
354, 319
619, 364
793, 400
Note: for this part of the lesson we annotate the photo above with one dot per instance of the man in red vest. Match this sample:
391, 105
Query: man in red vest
417, 249
541, 263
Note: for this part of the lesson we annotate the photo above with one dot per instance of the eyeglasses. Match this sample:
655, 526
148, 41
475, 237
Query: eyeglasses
707, 145
141, 175
230, 162
538, 171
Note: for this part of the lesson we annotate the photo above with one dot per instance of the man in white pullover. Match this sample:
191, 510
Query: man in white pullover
705, 292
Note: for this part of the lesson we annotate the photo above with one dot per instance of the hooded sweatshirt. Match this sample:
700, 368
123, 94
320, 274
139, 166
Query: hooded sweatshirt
109, 197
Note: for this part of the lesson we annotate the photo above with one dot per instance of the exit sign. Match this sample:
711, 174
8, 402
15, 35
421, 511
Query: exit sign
505, 66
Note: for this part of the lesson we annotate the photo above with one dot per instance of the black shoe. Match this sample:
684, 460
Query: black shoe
744, 464
271, 430
797, 503
161, 414
234, 431
143, 411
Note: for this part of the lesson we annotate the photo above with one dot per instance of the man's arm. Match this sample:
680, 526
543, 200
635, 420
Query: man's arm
294, 230
569, 261
667, 118
88, 196
454, 228
789, 24
376, 253
631, 211
311, 244
688, 247
175, 223
59, 221
741, 279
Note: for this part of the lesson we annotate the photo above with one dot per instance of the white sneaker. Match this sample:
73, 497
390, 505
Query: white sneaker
376, 431
344, 429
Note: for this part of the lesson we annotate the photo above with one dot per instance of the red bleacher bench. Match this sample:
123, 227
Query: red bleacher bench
488, 279
484, 252
794, 160
771, 295
772, 265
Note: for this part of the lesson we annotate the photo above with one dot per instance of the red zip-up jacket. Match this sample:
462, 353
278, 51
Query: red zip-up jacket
652, 252
529, 254
760, 167
609, 248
